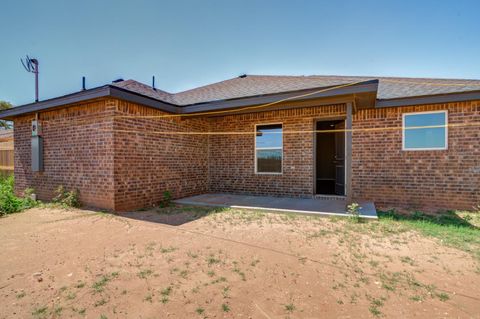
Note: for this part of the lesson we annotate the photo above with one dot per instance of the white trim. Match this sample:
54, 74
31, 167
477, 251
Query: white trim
266, 148
426, 148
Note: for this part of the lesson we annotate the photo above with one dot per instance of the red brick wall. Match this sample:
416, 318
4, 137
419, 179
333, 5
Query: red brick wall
78, 153
121, 162
149, 162
382, 172
231, 157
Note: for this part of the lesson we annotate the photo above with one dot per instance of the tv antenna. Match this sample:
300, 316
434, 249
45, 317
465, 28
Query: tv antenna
31, 65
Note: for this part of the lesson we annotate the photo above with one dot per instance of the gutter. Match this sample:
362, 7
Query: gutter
127, 95
99, 92
429, 99
364, 87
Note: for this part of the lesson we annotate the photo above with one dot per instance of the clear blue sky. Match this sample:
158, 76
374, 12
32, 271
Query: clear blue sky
190, 43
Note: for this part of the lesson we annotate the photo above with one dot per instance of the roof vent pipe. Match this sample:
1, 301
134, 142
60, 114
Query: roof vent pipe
83, 83
153, 82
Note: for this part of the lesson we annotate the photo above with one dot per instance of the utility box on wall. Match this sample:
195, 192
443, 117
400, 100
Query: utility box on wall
36, 128
37, 147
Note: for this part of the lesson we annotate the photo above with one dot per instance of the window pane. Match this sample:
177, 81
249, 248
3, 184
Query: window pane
269, 136
425, 119
269, 161
425, 137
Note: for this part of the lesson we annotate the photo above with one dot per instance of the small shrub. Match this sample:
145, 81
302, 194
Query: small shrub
290, 307
9, 203
66, 198
225, 308
354, 211
167, 199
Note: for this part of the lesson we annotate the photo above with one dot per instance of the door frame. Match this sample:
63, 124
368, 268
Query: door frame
328, 119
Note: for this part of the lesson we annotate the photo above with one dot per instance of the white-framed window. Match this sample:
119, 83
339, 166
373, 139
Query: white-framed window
268, 148
425, 131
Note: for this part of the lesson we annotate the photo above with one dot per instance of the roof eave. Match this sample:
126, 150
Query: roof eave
77, 97
90, 94
429, 99
363, 87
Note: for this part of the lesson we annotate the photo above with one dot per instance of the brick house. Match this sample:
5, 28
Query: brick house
400, 142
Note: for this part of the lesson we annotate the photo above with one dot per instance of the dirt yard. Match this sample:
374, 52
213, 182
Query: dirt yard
187, 262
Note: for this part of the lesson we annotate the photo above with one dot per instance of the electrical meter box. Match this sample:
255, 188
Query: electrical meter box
37, 154
36, 128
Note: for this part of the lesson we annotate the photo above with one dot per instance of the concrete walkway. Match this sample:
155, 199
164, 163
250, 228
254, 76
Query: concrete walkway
334, 207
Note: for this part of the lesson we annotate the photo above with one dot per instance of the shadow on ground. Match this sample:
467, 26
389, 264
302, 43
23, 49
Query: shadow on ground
174, 215
448, 218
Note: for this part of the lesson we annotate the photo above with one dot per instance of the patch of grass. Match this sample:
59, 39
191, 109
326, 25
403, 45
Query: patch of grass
416, 298
377, 302
212, 260
165, 294
57, 312
452, 228
240, 273
166, 250
71, 296
407, 260
375, 311
80, 284
254, 262
145, 273
100, 302
99, 285
225, 292
192, 255
290, 307
211, 273
148, 298
40, 312
199, 310
225, 308
319, 234
21, 295
219, 279
80, 311
443, 296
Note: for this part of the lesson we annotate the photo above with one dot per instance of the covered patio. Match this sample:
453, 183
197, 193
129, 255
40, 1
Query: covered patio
333, 206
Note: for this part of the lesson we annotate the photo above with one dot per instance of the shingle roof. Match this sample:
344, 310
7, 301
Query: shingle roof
252, 85
147, 90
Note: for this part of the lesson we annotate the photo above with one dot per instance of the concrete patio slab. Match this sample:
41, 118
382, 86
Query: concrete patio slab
334, 207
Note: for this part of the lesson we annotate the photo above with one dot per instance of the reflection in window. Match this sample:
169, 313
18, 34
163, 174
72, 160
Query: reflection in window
269, 148
425, 131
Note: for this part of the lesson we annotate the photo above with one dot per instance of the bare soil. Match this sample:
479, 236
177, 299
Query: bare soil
189, 262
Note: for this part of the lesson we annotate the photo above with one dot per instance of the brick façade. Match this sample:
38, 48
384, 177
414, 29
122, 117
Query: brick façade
122, 156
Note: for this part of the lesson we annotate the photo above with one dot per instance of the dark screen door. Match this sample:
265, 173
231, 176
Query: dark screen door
340, 159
